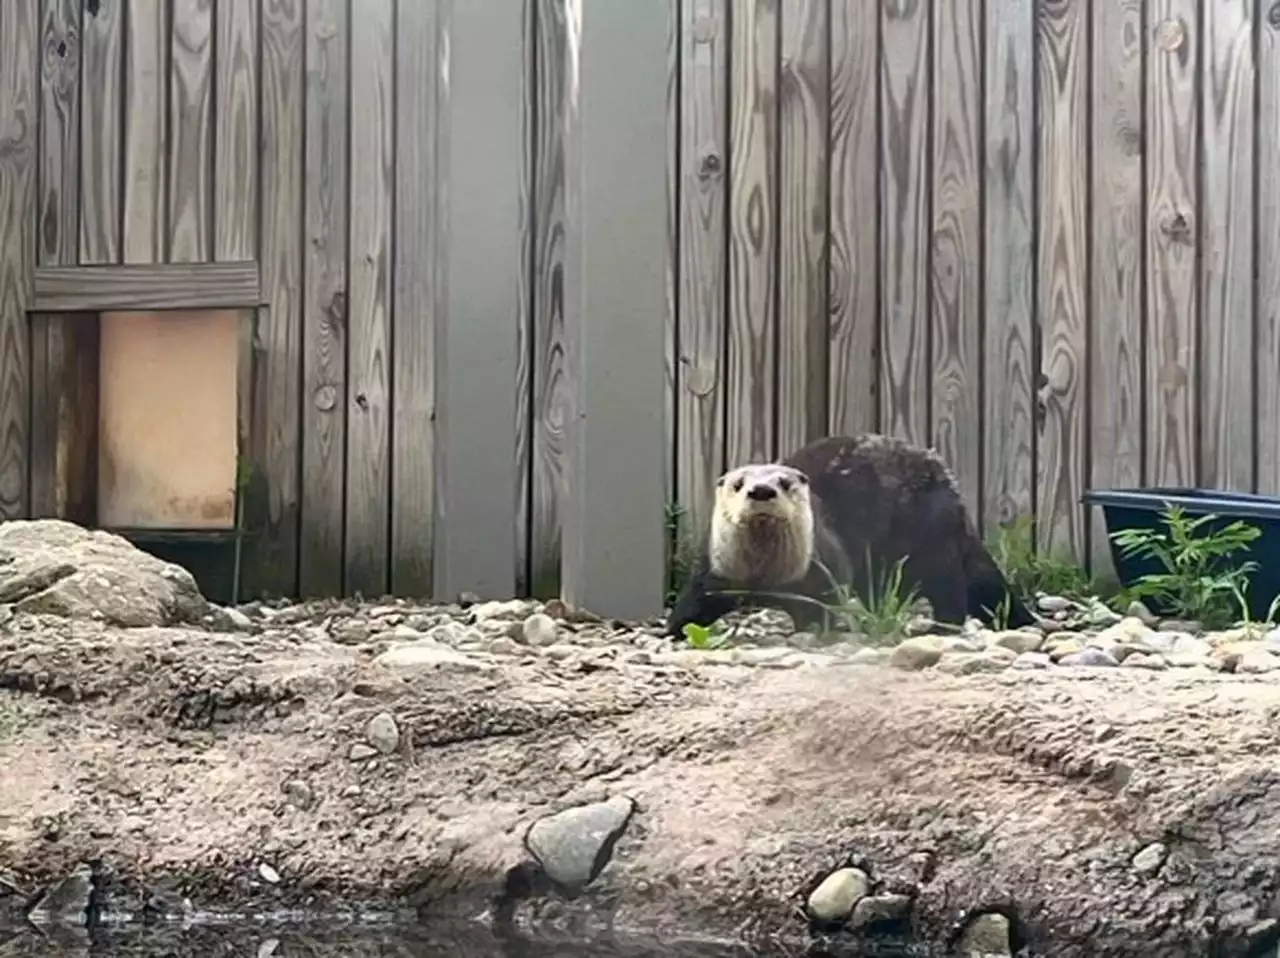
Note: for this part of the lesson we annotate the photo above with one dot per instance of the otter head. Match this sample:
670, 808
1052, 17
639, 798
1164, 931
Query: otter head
762, 526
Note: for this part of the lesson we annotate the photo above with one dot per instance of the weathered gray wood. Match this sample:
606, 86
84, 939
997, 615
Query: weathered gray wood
275, 429
550, 384
524, 318
235, 162
1226, 280
1115, 361
1008, 257
751, 403
60, 133
615, 282
324, 383
804, 111
854, 226
190, 219
417, 298
483, 159
102, 132
1063, 274
146, 286
368, 486
1267, 302
64, 416
703, 150
146, 131
19, 152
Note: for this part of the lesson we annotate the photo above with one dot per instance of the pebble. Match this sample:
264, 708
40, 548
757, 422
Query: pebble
1054, 603
1032, 660
428, 656
1150, 859
268, 874
878, 908
569, 845
1019, 641
991, 660
382, 733
986, 936
1140, 660
1089, 657
835, 898
918, 653
540, 629
359, 752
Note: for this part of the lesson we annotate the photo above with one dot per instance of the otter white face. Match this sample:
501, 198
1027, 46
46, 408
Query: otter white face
762, 527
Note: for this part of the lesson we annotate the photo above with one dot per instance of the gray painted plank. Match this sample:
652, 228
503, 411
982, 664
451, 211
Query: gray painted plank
235, 123
190, 131
146, 131
485, 252
416, 246
60, 133
1267, 298
616, 167
147, 286
102, 132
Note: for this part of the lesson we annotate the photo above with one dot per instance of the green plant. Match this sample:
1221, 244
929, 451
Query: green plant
1028, 572
704, 637
680, 546
1196, 583
1000, 615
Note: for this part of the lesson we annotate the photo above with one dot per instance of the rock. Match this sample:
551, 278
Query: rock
1140, 612
920, 625
1180, 625
875, 909
963, 643
574, 845
1063, 645
539, 629
1141, 660
985, 936
268, 874
1098, 614
1256, 662
1178, 642
1054, 603
1032, 660
870, 657
1187, 660
508, 609
58, 568
835, 898
1089, 657
360, 752
381, 732
990, 660
1018, 641
1127, 630
299, 793
428, 656
68, 902
916, 653
1150, 858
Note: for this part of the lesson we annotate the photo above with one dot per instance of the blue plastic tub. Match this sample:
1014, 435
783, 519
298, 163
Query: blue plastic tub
1142, 508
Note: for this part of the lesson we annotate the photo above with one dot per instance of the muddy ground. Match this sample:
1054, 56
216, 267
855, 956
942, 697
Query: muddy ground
251, 766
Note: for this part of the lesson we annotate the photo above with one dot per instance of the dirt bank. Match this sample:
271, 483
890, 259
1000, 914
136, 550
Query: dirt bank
331, 755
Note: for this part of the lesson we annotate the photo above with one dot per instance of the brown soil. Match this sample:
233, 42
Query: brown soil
178, 761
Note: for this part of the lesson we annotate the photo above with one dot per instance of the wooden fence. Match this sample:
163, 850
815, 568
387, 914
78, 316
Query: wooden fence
1041, 236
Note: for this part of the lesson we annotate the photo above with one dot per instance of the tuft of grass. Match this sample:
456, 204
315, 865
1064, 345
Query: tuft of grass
681, 550
1029, 572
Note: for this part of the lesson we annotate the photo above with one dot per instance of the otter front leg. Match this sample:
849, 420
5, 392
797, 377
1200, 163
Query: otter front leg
700, 603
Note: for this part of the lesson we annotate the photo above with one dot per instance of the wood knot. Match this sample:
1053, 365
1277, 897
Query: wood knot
1176, 226
1171, 34
709, 165
705, 28
1273, 15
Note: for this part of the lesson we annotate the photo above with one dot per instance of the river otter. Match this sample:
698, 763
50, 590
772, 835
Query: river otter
859, 505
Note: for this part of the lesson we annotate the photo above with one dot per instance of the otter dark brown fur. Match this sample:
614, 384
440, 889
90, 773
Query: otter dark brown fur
877, 500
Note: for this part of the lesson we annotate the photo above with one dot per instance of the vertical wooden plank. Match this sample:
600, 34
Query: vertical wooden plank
146, 131
102, 132
1226, 281
854, 276
417, 271
669, 314
804, 109
1267, 230
549, 386
324, 330
615, 247
1063, 281
64, 416
525, 336
235, 162
1008, 257
60, 133
190, 219
904, 222
1171, 244
956, 303
277, 367
703, 149
753, 233
368, 508
486, 250
1115, 369
19, 151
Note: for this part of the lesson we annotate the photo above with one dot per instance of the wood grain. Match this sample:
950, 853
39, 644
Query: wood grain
804, 110
102, 132
703, 149
1171, 246
905, 370
671, 319
146, 168
1267, 230
854, 228
1008, 263
1226, 280
19, 158
548, 363
416, 247
64, 417
956, 300
751, 380
190, 218
145, 286
372, 173
324, 383
235, 125
1062, 458
60, 133
524, 310
1116, 391
275, 428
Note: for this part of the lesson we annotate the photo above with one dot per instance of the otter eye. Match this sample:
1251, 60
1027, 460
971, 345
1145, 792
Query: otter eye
737, 485
802, 478
785, 484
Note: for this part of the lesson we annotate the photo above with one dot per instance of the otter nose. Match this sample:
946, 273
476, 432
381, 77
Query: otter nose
762, 493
